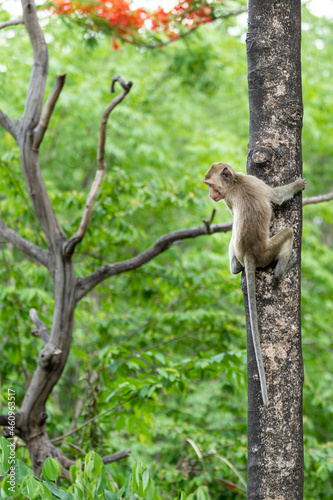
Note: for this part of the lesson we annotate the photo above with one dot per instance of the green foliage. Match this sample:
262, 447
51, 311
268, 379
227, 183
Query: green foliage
161, 350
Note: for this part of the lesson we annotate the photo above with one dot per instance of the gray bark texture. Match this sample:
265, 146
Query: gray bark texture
275, 432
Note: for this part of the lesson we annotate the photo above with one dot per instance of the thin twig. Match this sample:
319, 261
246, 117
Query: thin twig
92, 419
209, 222
318, 199
78, 236
11, 22
47, 112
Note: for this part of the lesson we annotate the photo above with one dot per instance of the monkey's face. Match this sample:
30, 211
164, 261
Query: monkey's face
219, 179
215, 191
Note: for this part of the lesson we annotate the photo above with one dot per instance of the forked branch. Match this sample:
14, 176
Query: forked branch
162, 244
78, 236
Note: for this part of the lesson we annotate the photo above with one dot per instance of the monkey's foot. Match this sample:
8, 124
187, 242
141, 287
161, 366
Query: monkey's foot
281, 271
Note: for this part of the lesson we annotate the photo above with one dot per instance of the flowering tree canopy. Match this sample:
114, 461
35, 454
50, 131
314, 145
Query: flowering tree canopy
127, 23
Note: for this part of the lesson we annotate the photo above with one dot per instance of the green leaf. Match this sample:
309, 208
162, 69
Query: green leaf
102, 482
94, 465
58, 493
51, 469
109, 495
4, 456
45, 492
145, 479
31, 488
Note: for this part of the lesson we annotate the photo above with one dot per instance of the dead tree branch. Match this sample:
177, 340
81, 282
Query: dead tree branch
78, 236
84, 285
34, 252
11, 22
119, 455
318, 199
9, 124
47, 112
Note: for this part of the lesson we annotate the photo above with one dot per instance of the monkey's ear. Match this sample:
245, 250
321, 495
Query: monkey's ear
226, 175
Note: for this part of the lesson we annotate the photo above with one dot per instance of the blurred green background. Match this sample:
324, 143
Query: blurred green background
170, 337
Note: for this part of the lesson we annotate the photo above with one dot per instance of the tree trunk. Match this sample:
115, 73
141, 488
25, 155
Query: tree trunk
275, 437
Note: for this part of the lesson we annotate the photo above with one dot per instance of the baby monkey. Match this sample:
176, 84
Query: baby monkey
250, 200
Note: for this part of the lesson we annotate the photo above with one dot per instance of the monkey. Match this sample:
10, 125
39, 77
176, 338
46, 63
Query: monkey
250, 200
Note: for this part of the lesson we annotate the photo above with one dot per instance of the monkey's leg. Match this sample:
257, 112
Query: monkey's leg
279, 248
235, 266
283, 193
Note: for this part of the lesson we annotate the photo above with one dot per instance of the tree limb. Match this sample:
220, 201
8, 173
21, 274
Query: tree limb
41, 328
84, 285
108, 459
36, 89
78, 236
11, 22
33, 251
318, 199
9, 124
47, 112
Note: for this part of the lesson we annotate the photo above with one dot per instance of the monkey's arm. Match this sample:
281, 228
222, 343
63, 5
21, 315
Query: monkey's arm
283, 193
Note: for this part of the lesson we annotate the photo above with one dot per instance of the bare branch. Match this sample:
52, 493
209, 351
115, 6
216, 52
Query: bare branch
9, 124
11, 22
108, 459
78, 236
41, 328
119, 455
84, 285
209, 222
48, 110
33, 251
318, 199
36, 89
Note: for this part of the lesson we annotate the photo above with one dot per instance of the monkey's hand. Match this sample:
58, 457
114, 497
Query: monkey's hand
301, 183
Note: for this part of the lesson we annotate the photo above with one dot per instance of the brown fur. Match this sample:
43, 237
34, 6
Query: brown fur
250, 201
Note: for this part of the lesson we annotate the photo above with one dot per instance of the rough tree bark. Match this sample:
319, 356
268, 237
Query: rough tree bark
275, 441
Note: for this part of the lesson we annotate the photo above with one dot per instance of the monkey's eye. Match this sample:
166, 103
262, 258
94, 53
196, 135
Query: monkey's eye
207, 184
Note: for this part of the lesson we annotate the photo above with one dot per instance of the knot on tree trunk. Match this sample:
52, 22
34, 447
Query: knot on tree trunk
49, 358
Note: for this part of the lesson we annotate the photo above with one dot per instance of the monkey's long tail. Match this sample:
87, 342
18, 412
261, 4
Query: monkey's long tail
251, 290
